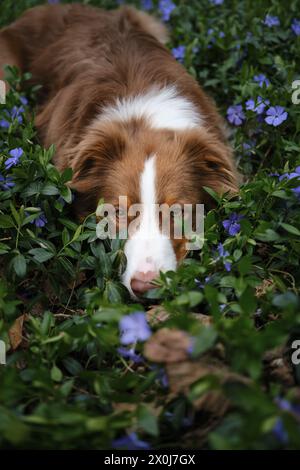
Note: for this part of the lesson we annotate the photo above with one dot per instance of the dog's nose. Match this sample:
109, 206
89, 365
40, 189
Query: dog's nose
142, 281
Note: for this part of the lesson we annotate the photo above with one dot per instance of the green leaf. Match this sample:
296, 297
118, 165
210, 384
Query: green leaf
49, 190
204, 340
66, 175
19, 264
191, 299
244, 265
56, 374
147, 420
41, 255
6, 221
290, 228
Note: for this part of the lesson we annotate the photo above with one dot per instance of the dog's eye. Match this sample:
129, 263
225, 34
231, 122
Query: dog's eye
212, 165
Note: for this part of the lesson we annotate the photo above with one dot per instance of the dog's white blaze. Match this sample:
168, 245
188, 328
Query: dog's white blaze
164, 109
148, 249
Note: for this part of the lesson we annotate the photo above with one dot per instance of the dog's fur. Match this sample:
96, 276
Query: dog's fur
112, 97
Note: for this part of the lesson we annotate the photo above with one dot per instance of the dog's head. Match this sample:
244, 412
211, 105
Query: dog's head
160, 176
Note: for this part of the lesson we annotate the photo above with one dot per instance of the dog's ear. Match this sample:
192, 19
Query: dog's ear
94, 156
91, 162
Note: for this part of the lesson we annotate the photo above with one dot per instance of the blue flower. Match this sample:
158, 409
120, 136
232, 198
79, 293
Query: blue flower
130, 354
280, 432
6, 183
15, 155
4, 123
247, 148
162, 377
179, 53
216, 2
166, 7
231, 225
257, 106
14, 113
296, 26
134, 327
294, 174
276, 115
262, 80
24, 100
223, 254
130, 442
235, 114
40, 221
271, 21
146, 4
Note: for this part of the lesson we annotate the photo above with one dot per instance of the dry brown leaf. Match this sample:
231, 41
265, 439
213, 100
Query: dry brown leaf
264, 287
16, 332
157, 314
167, 345
277, 366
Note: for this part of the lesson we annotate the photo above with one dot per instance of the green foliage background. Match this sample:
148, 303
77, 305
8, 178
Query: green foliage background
62, 387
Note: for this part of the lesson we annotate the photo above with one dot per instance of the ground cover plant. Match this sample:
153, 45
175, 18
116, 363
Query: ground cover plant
207, 361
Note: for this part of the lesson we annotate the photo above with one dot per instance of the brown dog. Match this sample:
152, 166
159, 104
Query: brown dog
126, 117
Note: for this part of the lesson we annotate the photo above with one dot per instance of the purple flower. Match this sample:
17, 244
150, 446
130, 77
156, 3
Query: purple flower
134, 328
257, 106
262, 80
247, 148
221, 34
130, 442
271, 21
15, 155
179, 53
280, 432
24, 100
4, 123
276, 115
6, 183
201, 284
162, 377
231, 225
296, 26
294, 174
235, 114
130, 354
16, 112
223, 255
166, 7
146, 4
216, 2
40, 221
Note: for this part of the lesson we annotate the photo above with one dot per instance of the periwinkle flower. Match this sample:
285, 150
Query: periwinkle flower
276, 115
235, 114
134, 327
